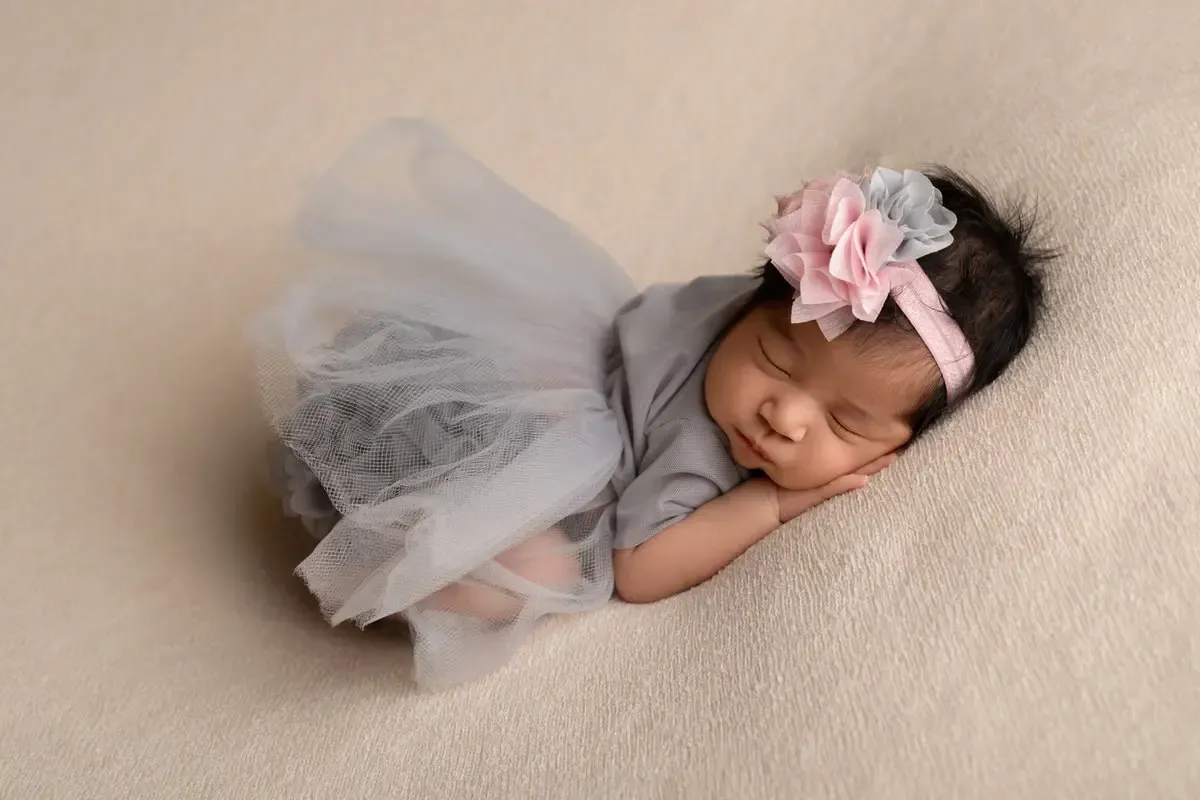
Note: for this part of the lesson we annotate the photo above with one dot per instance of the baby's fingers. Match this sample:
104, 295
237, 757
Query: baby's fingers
878, 465
842, 485
794, 503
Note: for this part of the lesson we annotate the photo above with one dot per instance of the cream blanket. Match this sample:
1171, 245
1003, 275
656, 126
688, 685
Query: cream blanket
1012, 612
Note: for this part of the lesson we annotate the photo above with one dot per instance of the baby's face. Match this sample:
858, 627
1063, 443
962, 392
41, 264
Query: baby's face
805, 411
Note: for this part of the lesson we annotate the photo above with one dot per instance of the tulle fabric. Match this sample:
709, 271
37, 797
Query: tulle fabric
441, 373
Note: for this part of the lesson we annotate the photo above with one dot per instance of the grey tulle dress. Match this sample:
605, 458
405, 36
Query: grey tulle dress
459, 370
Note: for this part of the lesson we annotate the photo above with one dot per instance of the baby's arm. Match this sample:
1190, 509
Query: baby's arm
693, 550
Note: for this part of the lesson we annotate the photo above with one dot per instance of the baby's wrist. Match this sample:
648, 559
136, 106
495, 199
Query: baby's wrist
792, 504
771, 503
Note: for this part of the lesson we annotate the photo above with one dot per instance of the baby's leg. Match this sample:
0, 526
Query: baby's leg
545, 559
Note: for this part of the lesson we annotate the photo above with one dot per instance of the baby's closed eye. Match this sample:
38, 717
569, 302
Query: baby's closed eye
842, 429
773, 362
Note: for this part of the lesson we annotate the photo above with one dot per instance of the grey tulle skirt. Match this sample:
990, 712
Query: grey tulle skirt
436, 380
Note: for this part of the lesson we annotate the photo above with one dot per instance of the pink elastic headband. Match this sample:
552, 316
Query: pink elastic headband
845, 246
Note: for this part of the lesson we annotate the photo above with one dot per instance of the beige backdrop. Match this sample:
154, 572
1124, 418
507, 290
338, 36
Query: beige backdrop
1011, 613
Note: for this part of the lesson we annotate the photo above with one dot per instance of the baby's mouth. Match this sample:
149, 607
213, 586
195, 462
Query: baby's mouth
753, 447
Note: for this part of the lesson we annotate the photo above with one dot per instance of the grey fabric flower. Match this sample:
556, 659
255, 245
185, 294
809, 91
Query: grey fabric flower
912, 202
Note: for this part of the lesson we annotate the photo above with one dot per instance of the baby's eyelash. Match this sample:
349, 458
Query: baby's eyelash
837, 422
763, 349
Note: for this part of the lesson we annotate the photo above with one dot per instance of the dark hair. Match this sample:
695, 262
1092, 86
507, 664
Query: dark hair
989, 279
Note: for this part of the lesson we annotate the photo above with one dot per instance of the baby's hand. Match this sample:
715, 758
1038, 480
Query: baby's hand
793, 503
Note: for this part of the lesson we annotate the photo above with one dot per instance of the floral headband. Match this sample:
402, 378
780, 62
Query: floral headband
845, 246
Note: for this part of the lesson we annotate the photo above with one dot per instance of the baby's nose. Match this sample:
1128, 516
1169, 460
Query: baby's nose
787, 420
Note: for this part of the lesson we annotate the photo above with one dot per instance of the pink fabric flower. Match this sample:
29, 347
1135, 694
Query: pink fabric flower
836, 253
845, 246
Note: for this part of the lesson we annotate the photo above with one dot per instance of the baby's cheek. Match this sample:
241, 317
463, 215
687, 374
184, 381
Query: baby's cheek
842, 462
750, 382
814, 468
738, 388
797, 477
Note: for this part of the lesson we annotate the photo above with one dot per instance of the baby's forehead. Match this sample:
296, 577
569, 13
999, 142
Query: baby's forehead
885, 348
886, 367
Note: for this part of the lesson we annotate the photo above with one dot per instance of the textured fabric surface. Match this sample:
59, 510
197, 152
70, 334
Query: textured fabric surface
1010, 612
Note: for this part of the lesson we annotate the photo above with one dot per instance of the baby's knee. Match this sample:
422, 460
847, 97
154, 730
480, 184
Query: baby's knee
547, 560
